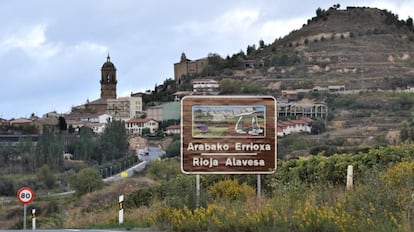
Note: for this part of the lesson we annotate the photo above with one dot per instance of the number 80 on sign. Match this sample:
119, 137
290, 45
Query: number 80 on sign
25, 195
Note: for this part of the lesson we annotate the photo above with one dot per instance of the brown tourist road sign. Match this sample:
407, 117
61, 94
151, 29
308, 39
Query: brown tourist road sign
228, 134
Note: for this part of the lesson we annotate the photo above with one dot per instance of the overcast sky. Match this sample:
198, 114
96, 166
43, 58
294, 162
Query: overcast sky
51, 51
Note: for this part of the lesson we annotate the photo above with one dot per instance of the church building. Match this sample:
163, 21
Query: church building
108, 91
186, 67
108, 80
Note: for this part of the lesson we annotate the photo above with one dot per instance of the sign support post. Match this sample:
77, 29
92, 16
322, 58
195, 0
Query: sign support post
198, 190
24, 216
259, 186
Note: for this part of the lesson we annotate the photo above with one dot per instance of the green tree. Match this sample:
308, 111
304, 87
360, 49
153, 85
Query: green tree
228, 86
327, 150
318, 127
49, 150
251, 49
87, 146
319, 12
409, 22
282, 60
26, 150
145, 131
6, 151
71, 129
215, 61
86, 181
46, 176
114, 140
174, 148
62, 124
28, 129
411, 132
406, 101
7, 187
164, 170
407, 131
261, 44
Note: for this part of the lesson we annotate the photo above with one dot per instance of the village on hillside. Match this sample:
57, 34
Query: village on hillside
139, 121
271, 65
312, 132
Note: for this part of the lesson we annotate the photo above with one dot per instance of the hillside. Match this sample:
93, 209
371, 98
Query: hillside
368, 50
361, 48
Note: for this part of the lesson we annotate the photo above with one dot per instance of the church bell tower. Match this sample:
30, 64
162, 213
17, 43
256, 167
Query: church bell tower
108, 80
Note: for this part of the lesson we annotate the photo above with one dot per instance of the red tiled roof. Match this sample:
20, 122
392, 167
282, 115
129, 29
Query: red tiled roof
205, 81
140, 120
173, 127
302, 120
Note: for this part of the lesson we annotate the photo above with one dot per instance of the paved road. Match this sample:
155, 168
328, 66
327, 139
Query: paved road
66, 230
89, 230
150, 154
146, 156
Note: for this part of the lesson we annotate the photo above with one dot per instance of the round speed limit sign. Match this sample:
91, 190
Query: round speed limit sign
25, 195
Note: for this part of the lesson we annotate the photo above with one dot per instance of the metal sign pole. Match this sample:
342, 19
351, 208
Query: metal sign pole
198, 190
259, 186
24, 216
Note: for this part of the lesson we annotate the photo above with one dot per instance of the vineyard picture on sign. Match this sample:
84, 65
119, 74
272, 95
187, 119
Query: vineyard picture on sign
228, 121
228, 134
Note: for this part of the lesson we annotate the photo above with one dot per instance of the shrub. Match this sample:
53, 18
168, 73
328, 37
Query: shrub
326, 150
180, 192
222, 217
7, 187
307, 194
309, 217
174, 148
46, 176
86, 181
142, 197
230, 190
165, 169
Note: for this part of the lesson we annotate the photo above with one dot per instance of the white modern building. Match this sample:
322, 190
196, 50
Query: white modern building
97, 122
136, 125
173, 130
205, 87
302, 124
125, 108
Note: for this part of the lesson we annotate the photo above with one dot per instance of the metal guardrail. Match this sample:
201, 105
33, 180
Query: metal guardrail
130, 172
